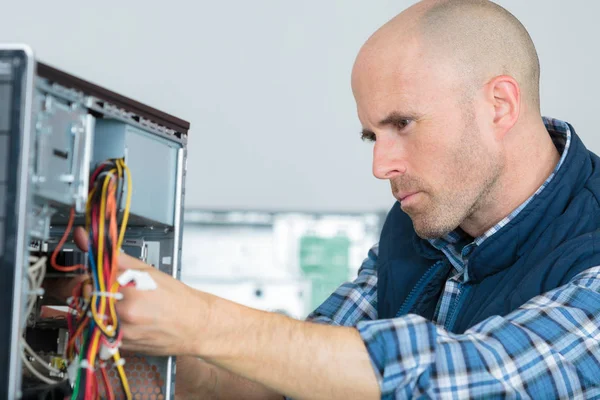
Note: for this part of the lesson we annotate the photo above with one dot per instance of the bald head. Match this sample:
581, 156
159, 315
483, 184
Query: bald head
477, 38
448, 91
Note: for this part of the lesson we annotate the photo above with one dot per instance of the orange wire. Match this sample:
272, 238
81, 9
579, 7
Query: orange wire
61, 243
78, 333
111, 213
113, 234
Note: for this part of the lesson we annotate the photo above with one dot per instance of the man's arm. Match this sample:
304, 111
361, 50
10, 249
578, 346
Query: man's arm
300, 359
350, 303
199, 379
547, 348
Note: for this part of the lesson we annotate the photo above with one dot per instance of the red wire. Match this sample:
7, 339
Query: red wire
106, 271
95, 223
107, 388
88, 384
90, 375
95, 174
94, 386
61, 243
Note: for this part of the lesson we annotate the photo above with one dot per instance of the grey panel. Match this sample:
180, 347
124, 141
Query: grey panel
3, 157
5, 101
1, 237
152, 162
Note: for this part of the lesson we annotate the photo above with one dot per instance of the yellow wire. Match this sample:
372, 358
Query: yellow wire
127, 205
121, 167
121, 371
94, 348
111, 332
112, 305
119, 173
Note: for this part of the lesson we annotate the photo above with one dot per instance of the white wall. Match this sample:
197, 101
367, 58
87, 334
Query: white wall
266, 83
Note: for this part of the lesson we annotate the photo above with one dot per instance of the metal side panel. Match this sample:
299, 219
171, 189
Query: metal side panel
64, 134
16, 89
177, 246
46, 149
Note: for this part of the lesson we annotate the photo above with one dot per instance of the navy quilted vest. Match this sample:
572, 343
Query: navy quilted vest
551, 240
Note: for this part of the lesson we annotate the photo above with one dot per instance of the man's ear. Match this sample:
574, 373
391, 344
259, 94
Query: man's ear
504, 94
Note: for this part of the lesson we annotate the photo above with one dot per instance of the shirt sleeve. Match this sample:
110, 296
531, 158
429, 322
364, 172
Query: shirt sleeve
354, 301
547, 348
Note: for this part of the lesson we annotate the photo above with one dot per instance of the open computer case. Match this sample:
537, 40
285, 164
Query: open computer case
55, 130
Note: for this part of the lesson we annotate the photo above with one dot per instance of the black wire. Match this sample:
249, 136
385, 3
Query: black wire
95, 202
82, 386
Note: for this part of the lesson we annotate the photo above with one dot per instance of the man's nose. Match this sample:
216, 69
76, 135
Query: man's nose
387, 160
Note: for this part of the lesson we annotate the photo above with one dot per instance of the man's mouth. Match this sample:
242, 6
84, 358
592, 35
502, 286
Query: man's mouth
402, 196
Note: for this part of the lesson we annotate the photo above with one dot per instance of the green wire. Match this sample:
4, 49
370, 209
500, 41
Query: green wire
76, 388
83, 345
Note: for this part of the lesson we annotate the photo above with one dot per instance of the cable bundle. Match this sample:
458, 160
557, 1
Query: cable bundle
94, 334
35, 274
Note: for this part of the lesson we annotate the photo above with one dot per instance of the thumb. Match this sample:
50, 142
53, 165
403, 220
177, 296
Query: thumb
128, 262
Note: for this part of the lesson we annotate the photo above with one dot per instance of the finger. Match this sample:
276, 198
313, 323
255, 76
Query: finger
135, 347
128, 262
134, 338
125, 310
81, 238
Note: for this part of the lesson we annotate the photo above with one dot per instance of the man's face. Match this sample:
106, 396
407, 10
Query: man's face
429, 142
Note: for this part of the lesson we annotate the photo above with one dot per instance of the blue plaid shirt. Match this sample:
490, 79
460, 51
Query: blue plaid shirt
548, 347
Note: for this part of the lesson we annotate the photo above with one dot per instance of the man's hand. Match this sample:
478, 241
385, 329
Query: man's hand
282, 355
165, 321
169, 321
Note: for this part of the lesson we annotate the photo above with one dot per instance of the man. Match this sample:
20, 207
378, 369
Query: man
484, 283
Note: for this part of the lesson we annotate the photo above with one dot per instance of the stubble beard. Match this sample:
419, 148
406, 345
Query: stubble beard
446, 212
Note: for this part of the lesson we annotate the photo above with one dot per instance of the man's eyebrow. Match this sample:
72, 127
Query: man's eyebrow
395, 117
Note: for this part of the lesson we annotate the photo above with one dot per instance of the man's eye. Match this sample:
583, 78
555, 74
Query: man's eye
402, 123
368, 136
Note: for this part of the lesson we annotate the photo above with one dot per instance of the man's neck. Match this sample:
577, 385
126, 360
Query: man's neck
530, 161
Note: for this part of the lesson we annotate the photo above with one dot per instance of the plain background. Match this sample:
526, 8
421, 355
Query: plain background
266, 84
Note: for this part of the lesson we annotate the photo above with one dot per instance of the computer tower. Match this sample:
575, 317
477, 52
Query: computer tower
55, 129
